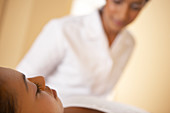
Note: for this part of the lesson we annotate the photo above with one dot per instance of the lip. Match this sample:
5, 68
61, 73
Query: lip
119, 23
54, 93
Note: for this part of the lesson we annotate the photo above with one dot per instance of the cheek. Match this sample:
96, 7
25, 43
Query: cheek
47, 104
133, 16
112, 9
109, 14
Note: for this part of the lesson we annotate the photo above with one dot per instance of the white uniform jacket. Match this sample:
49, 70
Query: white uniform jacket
74, 56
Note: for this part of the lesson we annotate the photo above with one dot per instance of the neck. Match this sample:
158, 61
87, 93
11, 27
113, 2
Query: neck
111, 37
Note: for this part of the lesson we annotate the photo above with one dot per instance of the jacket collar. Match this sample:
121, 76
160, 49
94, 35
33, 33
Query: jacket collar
94, 26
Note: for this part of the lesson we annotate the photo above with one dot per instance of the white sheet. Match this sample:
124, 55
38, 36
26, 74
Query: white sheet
101, 104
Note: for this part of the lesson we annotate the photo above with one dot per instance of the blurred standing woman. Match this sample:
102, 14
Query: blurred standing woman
84, 55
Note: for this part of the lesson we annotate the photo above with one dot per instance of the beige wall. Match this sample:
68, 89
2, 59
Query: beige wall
21, 22
146, 80
2, 6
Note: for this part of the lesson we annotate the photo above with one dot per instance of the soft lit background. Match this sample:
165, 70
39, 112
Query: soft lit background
146, 80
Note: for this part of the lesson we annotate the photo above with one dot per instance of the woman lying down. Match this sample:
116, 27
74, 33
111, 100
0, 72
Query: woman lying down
21, 95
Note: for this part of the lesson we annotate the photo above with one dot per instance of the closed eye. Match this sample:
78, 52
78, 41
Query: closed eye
38, 88
117, 1
136, 6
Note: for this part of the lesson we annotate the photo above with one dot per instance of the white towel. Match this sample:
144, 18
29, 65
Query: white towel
101, 105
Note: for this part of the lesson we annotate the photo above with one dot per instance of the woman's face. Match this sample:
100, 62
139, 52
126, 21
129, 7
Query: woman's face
32, 94
119, 13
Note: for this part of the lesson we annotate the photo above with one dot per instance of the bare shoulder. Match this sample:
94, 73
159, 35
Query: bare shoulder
80, 110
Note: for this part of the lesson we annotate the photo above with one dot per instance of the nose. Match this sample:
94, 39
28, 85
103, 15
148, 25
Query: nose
48, 90
124, 13
39, 80
51, 92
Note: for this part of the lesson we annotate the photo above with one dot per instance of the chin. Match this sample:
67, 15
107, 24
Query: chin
117, 30
61, 107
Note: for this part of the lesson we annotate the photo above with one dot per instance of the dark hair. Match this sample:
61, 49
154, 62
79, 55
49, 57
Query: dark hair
8, 102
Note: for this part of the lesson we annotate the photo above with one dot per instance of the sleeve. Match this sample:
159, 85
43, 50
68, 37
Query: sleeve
46, 52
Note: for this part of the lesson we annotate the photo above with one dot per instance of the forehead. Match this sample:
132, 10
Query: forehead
130, 0
10, 77
13, 82
136, 1
6, 73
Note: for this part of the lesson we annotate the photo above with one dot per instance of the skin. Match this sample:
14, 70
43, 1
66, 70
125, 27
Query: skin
117, 14
31, 100
80, 110
25, 90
